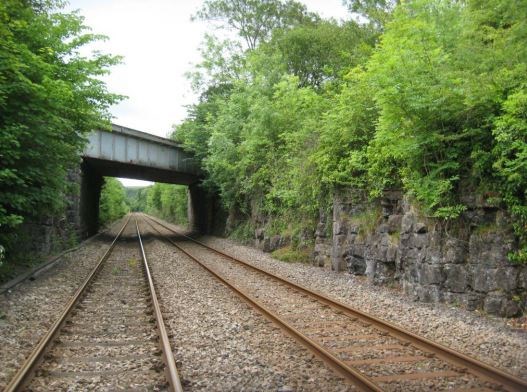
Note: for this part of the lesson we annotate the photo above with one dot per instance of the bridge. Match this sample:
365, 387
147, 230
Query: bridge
125, 152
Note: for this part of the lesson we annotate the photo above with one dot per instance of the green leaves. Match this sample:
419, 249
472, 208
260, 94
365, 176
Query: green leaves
437, 109
112, 204
510, 150
167, 201
50, 97
254, 20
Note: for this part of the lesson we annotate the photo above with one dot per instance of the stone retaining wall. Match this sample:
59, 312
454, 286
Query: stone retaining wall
464, 262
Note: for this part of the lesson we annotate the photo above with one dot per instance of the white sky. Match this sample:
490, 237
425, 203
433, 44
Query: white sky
159, 44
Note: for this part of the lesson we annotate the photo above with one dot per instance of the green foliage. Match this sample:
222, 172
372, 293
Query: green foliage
441, 74
321, 52
136, 198
290, 255
436, 109
243, 233
168, 202
254, 20
112, 204
511, 164
50, 97
376, 12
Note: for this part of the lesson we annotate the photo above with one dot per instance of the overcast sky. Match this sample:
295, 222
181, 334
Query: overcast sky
159, 44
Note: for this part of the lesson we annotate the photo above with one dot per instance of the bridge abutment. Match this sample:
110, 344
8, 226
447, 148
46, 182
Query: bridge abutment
199, 209
90, 193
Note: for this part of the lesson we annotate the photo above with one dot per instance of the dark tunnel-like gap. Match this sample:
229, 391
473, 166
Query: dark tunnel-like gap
200, 208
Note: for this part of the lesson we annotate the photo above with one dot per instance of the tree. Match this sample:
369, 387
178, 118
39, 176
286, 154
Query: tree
112, 204
376, 12
254, 20
50, 97
167, 201
323, 51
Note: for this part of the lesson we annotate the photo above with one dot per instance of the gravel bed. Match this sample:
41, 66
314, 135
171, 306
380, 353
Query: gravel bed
482, 336
121, 293
30, 308
220, 342
487, 338
299, 310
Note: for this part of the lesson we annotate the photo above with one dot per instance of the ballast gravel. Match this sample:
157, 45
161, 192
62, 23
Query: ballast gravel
222, 344
484, 337
29, 309
299, 309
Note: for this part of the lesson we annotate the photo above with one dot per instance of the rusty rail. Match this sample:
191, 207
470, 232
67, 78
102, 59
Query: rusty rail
359, 380
24, 373
170, 369
476, 367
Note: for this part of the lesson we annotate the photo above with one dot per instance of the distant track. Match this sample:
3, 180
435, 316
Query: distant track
372, 354
106, 335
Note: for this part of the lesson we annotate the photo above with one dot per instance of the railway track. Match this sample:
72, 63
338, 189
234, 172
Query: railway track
372, 354
111, 333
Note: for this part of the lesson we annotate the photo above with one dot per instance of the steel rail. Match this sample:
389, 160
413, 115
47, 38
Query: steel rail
480, 369
359, 380
171, 372
24, 373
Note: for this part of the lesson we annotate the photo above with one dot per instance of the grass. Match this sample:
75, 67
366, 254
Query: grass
290, 255
243, 233
367, 221
10, 269
395, 237
132, 263
485, 229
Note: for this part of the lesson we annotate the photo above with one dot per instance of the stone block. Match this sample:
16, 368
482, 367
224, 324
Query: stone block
320, 260
354, 229
394, 223
358, 250
486, 280
474, 301
371, 267
454, 298
490, 249
379, 253
479, 276
504, 279
391, 253
266, 244
356, 265
454, 251
320, 232
522, 278
499, 305
275, 242
456, 278
429, 294
338, 227
384, 273
430, 274
383, 228
338, 263
419, 241
339, 240
407, 222
259, 234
